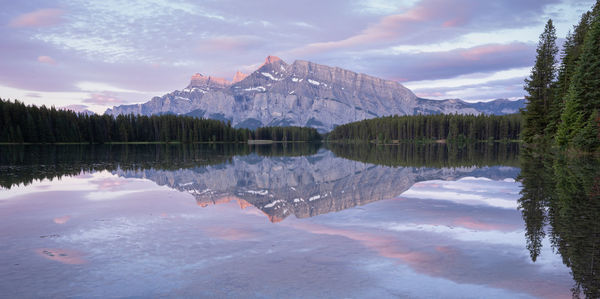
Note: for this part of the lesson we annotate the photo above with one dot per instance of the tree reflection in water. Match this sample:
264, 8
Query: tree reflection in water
562, 192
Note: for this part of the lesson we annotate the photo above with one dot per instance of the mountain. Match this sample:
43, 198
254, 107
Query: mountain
498, 107
78, 109
302, 94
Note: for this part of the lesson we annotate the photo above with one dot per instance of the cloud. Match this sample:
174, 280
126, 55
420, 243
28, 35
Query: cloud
434, 20
471, 79
38, 18
76, 107
511, 88
33, 95
440, 65
62, 219
103, 99
227, 44
153, 48
46, 59
99, 86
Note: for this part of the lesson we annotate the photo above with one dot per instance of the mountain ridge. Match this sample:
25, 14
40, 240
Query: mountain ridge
303, 93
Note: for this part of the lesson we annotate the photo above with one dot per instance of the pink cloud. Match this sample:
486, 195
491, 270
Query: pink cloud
39, 18
46, 59
62, 219
103, 99
469, 222
395, 27
109, 183
441, 260
453, 23
383, 245
477, 53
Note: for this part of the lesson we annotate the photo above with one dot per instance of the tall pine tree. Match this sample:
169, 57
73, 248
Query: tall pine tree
539, 86
570, 55
581, 116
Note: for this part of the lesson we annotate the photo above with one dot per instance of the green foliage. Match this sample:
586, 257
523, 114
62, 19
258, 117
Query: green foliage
287, 134
570, 54
453, 127
539, 86
538, 190
565, 111
436, 155
25, 163
563, 192
580, 118
30, 124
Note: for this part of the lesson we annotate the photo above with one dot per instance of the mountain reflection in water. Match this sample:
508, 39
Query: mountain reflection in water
280, 179
426, 220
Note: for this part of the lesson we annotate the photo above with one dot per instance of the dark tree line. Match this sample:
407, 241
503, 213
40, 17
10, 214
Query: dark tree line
20, 123
564, 100
287, 134
563, 192
436, 155
452, 127
24, 163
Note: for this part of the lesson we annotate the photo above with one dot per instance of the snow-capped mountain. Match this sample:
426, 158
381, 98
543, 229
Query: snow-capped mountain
301, 94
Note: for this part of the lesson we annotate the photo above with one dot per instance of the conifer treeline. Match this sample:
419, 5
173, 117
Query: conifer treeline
435, 155
564, 101
32, 124
286, 134
431, 127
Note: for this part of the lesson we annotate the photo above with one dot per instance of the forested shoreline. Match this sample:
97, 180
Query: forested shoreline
560, 161
437, 127
22, 123
563, 99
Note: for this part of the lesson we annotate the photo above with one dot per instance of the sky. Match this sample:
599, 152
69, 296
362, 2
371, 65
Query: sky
105, 53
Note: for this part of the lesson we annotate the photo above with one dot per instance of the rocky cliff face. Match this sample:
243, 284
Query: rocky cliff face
239, 76
205, 82
299, 94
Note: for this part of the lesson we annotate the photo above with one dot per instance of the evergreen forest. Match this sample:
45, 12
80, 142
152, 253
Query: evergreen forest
563, 98
450, 127
20, 123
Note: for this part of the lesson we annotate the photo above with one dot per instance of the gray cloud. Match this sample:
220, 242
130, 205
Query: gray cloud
156, 46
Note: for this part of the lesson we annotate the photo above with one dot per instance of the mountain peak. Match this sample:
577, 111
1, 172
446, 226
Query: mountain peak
271, 59
199, 80
239, 76
301, 94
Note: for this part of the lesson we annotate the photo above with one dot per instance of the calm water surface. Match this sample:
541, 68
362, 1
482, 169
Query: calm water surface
272, 221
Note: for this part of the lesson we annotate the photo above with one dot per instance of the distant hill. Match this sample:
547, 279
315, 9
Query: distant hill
301, 94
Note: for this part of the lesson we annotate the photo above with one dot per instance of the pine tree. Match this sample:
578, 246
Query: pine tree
570, 55
581, 118
539, 86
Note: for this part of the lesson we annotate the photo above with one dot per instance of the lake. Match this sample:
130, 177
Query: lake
295, 221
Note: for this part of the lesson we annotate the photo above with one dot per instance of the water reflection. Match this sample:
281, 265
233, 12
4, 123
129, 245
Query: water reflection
21, 164
280, 179
563, 192
431, 154
126, 218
